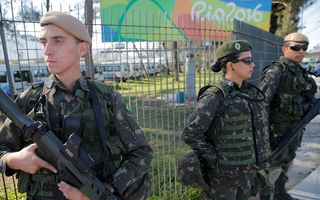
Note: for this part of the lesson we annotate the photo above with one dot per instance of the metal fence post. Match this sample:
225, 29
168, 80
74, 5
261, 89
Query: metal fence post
5, 53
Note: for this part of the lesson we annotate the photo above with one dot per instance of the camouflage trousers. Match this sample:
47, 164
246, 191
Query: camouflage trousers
289, 154
225, 187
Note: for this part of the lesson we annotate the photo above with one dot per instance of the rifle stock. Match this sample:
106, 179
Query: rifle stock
70, 159
290, 135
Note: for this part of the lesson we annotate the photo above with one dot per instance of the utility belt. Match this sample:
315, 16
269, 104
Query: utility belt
45, 178
29, 197
44, 187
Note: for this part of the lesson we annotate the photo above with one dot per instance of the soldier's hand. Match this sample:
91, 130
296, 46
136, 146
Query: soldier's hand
27, 160
110, 188
71, 192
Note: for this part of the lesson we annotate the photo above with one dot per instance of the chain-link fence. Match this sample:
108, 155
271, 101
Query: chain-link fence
159, 75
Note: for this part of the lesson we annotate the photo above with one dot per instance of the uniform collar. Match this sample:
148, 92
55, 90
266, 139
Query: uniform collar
232, 84
291, 65
287, 62
53, 82
247, 90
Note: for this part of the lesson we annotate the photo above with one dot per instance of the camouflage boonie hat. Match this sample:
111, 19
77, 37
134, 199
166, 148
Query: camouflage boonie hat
189, 172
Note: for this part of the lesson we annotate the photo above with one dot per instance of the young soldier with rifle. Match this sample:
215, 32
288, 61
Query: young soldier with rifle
85, 124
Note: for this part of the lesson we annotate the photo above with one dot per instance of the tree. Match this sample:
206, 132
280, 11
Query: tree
175, 61
285, 16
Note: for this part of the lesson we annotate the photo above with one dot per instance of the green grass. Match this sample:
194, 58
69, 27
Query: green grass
165, 185
163, 124
8, 189
163, 84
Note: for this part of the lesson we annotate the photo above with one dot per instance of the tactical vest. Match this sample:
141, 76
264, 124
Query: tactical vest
218, 87
290, 101
240, 136
90, 139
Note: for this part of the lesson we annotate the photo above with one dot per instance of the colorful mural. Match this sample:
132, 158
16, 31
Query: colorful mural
174, 20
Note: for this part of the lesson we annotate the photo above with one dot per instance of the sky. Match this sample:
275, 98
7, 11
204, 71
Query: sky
310, 16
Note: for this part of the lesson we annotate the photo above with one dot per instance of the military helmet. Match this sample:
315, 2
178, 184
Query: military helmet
189, 172
296, 37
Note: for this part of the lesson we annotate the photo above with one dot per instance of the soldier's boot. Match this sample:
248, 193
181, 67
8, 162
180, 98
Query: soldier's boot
280, 193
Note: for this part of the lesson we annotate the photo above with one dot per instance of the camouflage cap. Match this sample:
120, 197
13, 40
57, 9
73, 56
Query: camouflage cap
233, 47
189, 172
296, 37
68, 23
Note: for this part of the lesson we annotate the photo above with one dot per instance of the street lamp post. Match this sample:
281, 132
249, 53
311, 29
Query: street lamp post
301, 26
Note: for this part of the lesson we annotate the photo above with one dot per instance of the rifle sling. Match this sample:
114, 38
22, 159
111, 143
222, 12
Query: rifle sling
98, 115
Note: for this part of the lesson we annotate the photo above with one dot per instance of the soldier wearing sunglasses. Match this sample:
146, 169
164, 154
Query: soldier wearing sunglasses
289, 91
228, 129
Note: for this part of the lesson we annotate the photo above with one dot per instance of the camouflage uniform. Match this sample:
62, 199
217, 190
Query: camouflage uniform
135, 148
237, 146
286, 85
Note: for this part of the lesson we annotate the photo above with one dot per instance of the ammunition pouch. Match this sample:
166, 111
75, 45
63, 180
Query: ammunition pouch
45, 185
190, 172
70, 125
39, 186
23, 181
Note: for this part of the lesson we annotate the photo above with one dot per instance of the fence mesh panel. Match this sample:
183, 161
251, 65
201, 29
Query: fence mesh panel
160, 73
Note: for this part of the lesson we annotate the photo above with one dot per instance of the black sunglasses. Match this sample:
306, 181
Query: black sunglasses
299, 47
247, 60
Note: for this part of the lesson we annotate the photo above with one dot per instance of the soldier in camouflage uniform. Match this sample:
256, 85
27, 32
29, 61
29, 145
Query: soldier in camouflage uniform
65, 93
289, 91
233, 146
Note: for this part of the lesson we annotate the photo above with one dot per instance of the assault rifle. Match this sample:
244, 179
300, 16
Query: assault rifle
289, 136
73, 163
312, 73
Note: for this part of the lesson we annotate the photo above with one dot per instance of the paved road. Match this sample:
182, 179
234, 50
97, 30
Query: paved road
317, 79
